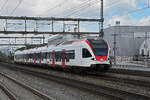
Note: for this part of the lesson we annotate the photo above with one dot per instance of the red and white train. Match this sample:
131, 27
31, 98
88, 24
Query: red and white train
86, 54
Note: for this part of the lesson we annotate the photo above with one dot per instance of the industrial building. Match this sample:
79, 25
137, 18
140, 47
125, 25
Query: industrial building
126, 40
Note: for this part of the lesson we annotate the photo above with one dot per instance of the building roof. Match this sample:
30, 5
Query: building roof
128, 29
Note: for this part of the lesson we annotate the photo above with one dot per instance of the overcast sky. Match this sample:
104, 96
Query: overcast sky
115, 10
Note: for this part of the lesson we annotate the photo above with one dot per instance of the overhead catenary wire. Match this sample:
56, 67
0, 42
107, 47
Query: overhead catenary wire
74, 7
19, 3
129, 12
57, 5
106, 6
82, 6
78, 6
85, 8
3, 6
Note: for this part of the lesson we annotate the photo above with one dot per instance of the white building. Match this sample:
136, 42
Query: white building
145, 47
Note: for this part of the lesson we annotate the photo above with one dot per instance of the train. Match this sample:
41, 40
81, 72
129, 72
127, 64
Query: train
76, 55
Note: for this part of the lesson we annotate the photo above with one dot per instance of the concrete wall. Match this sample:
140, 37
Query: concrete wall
128, 39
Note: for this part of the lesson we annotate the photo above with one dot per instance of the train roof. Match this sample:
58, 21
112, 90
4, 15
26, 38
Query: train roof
49, 47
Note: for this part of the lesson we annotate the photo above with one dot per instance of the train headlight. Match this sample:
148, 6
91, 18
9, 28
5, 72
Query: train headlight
101, 59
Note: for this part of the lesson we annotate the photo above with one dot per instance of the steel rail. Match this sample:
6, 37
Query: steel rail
8, 92
125, 80
36, 92
130, 72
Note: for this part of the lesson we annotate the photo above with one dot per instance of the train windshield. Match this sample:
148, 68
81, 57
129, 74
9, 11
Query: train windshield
99, 47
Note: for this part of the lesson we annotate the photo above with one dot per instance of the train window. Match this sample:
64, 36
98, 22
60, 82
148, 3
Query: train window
49, 56
99, 47
58, 56
70, 54
43, 55
39, 56
32, 56
36, 56
86, 53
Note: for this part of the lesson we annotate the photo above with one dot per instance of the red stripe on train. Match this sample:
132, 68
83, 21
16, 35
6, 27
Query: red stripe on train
40, 62
53, 59
101, 58
34, 61
63, 60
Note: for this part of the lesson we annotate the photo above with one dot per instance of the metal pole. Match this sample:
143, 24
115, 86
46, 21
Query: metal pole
15, 40
78, 26
146, 47
6, 25
63, 26
115, 49
43, 39
25, 39
102, 18
52, 26
78, 29
36, 27
25, 25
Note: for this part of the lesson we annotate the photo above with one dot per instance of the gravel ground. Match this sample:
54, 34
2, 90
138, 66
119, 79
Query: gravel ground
55, 90
98, 81
65, 91
3, 96
19, 91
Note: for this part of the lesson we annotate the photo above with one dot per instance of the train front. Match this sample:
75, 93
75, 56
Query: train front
101, 51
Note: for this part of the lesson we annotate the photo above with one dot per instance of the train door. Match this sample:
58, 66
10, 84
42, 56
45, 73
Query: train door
63, 59
78, 57
53, 59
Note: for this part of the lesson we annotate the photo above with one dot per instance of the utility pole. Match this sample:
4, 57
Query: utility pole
114, 48
6, 25
43, 39
102, 18
146, 47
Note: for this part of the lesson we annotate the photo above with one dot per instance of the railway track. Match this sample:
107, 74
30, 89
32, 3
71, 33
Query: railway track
32, 90
129, 72
141, 83
109, 92
8, 93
